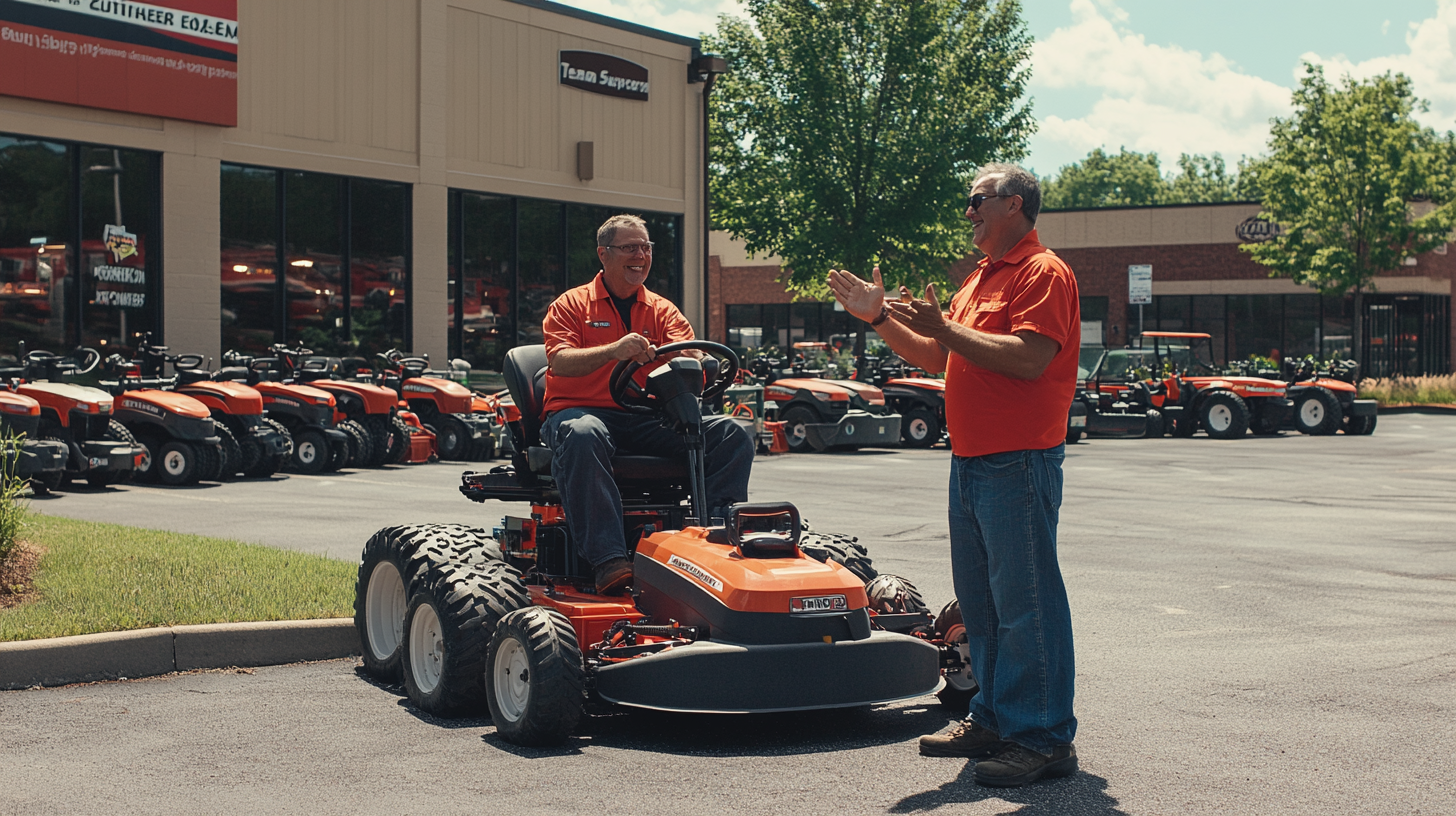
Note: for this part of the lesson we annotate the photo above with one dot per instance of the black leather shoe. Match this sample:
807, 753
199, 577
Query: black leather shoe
1017, 765
964, 739
613, 576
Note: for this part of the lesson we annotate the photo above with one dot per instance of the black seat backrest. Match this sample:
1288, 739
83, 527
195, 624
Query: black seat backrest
525, 376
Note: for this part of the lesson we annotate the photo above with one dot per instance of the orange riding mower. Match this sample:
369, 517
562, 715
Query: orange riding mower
27, 454
751, 613
444, 407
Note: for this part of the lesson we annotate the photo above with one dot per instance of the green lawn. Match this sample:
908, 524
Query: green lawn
106, 578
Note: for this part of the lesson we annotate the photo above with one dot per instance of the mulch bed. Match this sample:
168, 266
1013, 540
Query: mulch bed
17, 575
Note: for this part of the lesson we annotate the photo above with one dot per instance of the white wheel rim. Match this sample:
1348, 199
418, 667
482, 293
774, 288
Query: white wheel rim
448, 439
1220, 418
964, 679
146, 464
307, 452
919, 429
427, 649
174, 462
384, 608
512, 679
798, 431
1312, 412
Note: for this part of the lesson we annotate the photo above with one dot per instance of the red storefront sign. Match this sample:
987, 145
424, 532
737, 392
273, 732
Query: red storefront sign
171, 58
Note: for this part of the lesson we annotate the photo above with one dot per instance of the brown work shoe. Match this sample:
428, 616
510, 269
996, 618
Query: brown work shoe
613, 576
1018, 765
964, 739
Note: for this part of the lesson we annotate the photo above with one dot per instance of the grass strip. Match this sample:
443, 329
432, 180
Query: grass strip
107, 578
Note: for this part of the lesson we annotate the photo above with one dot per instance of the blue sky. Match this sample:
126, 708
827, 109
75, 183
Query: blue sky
1191, 76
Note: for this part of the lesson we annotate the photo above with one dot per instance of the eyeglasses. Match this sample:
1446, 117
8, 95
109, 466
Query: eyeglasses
633, 249
980, 198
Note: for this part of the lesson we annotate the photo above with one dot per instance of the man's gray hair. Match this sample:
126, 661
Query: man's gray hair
1013, 180
607, 232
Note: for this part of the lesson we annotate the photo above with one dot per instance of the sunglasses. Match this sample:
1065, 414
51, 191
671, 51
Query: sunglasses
980, 198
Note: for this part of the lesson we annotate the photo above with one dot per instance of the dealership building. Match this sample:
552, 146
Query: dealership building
354, 176
1201, 282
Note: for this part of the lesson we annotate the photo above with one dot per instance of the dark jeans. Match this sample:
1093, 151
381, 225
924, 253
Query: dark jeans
1003, 551
583, 441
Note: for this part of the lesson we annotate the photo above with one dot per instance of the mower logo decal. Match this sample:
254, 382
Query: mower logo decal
427, 389
696, 571
141, 406
819, 603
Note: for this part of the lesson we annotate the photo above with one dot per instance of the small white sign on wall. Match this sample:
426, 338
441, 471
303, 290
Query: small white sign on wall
1091, 332
1140, 284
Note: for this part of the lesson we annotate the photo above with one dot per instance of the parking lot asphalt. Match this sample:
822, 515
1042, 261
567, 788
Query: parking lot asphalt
1265, 625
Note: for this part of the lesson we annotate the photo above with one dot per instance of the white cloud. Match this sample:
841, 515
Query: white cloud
690, 18
1153, 97
1430, 62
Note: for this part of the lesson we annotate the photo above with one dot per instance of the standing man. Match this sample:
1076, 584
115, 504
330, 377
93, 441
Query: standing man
1009, 352
588, 331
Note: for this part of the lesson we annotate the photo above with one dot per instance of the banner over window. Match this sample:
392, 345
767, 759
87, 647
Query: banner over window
171, 58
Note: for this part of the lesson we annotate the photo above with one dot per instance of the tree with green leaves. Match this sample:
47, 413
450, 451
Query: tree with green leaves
846, 132
1355, 184
1132, 179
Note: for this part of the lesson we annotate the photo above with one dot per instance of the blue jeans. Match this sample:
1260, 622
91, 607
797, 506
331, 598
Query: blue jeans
583, 442
1003, 551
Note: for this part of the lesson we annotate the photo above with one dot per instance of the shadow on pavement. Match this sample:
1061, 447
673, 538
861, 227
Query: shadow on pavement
1081, 794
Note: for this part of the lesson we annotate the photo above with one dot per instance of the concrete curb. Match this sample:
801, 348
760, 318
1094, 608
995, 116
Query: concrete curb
150, 652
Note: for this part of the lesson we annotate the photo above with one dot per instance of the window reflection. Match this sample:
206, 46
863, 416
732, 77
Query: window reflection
33, 243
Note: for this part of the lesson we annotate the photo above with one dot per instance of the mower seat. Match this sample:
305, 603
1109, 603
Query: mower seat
525, 376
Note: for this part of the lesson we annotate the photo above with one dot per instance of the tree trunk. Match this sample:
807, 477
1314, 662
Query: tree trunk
1357, 330
858, 266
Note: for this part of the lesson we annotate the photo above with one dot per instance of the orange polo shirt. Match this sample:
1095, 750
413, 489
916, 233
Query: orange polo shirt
1030, 289
585, 317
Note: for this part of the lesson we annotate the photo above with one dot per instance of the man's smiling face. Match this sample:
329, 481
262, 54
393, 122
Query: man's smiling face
625, 271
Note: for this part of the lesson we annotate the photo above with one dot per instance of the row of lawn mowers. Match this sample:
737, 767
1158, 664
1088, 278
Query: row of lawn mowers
292, 410
1170, 385
886, 402
755, 612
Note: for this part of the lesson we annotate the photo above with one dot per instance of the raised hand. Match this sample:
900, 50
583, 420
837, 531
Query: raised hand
922, 316
861, 298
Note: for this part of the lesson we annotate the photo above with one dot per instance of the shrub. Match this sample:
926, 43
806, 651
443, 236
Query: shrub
1437, 389
12, 488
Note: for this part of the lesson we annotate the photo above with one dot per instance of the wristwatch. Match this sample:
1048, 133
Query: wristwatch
884, 315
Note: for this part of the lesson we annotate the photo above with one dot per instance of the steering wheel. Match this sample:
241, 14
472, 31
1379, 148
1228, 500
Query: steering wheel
186, 361
633, 397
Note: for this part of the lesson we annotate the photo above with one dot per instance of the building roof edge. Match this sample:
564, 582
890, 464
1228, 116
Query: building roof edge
613, 22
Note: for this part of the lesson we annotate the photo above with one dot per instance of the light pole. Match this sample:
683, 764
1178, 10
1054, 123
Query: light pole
705, 69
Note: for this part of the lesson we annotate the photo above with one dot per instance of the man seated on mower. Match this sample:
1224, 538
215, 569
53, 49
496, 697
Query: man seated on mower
588, 330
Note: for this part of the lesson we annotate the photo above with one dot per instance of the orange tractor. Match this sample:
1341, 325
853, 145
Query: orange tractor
1196, 394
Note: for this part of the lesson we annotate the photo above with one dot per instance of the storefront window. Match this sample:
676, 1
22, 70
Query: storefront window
511, 257
34, 245
345, 256
249, 257
1255, 326
1208, 317
1301, 325
65, 209
1337, 331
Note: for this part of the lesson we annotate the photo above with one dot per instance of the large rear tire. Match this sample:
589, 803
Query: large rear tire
232, 452
1224, 416
381, 598
920, 428
892, 595
795, 418
379, 428
844, 550
311, 453
361, 450
452, 615
209, 461
399, 442
1318, 412
535, 684
268, 464
960, 684
452, 439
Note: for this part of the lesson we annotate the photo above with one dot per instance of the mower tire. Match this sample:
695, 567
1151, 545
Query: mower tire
209, 461
452, 439
311, 452
461, 544
338, 455
361, 449
1185, 425
534, 680
377, 428
46, 482
1318, 413
453, 613
266, 465
1224, 415
844, 550
177, 463
960, 685
920, 428
795, 418
892, 595
1360, 425
399, 442
115, 432
232, 452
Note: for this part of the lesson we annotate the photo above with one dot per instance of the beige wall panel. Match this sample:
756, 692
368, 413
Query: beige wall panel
32, 117
731, 251
191, 255
429, 287
1144, 226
